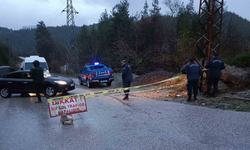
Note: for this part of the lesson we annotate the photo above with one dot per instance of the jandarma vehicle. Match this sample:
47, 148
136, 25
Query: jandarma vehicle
21, 82
97, 73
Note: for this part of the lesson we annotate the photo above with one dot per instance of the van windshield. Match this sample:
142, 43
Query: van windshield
28, 66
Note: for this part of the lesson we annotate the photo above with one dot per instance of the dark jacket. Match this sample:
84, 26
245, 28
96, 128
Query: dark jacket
192, 70
215, 66
37, 75
127, 76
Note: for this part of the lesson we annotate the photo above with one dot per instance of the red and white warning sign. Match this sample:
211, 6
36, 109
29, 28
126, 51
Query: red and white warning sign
67, 105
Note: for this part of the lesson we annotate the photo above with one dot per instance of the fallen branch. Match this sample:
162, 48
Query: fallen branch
237, 97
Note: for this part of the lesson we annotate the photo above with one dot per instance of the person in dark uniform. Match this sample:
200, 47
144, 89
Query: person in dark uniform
214, 73
193, 72
38, 78
127, 78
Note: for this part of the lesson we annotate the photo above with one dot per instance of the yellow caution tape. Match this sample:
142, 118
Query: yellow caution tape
134, 87
105, 92
149, 90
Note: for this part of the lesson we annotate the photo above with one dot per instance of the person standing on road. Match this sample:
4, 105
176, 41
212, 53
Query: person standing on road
193, 72
38, 78
214, 73
127, 78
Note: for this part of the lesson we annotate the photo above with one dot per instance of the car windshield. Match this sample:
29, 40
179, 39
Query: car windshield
28, 66
96, 67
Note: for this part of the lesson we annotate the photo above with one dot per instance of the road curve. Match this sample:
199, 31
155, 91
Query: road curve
111, 124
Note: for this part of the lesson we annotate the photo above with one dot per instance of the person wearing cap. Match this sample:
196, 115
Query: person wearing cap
214, 67
193, 72
38, 78
127, 78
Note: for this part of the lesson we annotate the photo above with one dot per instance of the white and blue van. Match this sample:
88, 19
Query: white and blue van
27, 64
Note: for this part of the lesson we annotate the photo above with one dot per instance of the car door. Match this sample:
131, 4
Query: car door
14, 82
27, 82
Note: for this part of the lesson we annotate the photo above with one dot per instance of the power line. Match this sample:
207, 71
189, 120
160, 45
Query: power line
56, 12
54, 19
84, 6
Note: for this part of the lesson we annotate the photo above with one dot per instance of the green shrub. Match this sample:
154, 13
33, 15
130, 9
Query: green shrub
242, 60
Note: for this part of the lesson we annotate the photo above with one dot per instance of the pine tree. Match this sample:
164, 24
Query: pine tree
145, 10
44, 42
156, 9
121, 20
4, 58
104, 16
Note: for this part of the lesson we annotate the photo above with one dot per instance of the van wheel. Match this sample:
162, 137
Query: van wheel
50, 91
5, 93
88, 84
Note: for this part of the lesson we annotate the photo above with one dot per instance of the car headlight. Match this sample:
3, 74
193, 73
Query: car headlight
61, 82
46, 75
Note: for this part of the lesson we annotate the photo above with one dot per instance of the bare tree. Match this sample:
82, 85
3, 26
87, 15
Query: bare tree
173, 6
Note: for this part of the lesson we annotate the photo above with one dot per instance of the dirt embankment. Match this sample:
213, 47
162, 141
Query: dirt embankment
156, 76
152, 77
234, 89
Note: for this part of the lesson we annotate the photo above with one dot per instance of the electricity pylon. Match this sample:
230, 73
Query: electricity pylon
209, 30
72, 50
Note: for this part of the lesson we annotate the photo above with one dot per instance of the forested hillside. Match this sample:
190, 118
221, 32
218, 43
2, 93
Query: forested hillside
7, 57
149, 40
23, 41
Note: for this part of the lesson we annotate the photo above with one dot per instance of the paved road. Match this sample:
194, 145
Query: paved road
112, 124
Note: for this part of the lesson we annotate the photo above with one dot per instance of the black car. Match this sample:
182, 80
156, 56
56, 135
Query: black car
5, 70
21, 82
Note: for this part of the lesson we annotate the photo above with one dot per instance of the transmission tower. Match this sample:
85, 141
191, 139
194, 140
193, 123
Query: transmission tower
72, 50
208, 34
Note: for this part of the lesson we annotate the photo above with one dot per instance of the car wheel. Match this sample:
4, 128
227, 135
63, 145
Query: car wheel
109, 83
5, 93
88, 84
65, 93
80, 82
50, 91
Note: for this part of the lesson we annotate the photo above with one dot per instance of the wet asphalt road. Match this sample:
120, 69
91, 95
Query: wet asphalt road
113, 124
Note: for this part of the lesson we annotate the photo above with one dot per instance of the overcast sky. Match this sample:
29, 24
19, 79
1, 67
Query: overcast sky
18, 13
